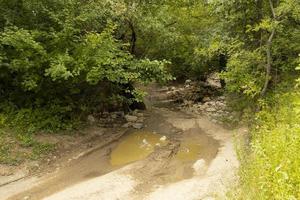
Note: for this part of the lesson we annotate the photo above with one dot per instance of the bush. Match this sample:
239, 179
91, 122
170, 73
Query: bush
63, 61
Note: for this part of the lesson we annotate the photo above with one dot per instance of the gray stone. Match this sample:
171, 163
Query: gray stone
139, 114
210, 109
206, 99
199, 166
127, 125
140, 120
114, 116
131, 118
163, 138
188, 81
214, 121
137, 125
91, 119
222, 98
34, 164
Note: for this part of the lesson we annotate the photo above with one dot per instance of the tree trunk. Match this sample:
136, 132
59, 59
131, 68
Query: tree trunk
133, 37
269, 54
269, 64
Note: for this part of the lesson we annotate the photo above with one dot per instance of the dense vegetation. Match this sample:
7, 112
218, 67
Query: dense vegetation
62, 60
271, 169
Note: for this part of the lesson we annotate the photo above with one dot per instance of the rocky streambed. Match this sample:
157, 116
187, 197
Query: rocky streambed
166, 152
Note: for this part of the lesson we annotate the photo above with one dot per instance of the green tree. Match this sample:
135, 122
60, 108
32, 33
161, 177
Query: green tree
67, 55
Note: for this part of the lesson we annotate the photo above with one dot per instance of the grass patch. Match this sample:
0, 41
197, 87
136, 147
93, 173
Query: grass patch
16, 148
270, 170
18, 129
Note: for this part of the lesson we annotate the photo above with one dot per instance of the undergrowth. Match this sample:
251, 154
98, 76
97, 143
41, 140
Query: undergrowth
270, 165
17, 134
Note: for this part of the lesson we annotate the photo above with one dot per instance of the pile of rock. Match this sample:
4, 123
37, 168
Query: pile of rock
215, 108
106, 119
134, 120
193, 91
118, 119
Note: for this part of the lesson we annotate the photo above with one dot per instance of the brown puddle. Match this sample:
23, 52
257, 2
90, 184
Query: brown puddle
136, 146
189, 150
139, 145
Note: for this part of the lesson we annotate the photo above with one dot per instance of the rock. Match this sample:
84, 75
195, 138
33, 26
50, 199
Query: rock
114, 116
188, 81
134, 112
188, 103
206, 99
98, 133
131, 118
127, 125
139, 114
163, 89
222, 98
212, 103
214, 80
140, 120
34, 164
221, 104
91, 119
163, 138
199, 166
214, 121
207, 104
210, 109
137, 125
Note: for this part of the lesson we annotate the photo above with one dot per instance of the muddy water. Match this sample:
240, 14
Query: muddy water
136, 146
189, 151
160, 162
139, 145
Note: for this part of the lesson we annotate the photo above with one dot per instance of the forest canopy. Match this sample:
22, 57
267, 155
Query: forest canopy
78, 56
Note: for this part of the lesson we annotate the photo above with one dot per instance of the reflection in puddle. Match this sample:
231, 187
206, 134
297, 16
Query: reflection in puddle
135, 147
188, 151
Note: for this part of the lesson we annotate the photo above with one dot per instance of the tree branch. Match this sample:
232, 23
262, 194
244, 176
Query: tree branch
272, 9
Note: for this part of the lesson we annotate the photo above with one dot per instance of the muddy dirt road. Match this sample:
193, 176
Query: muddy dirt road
177, 155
